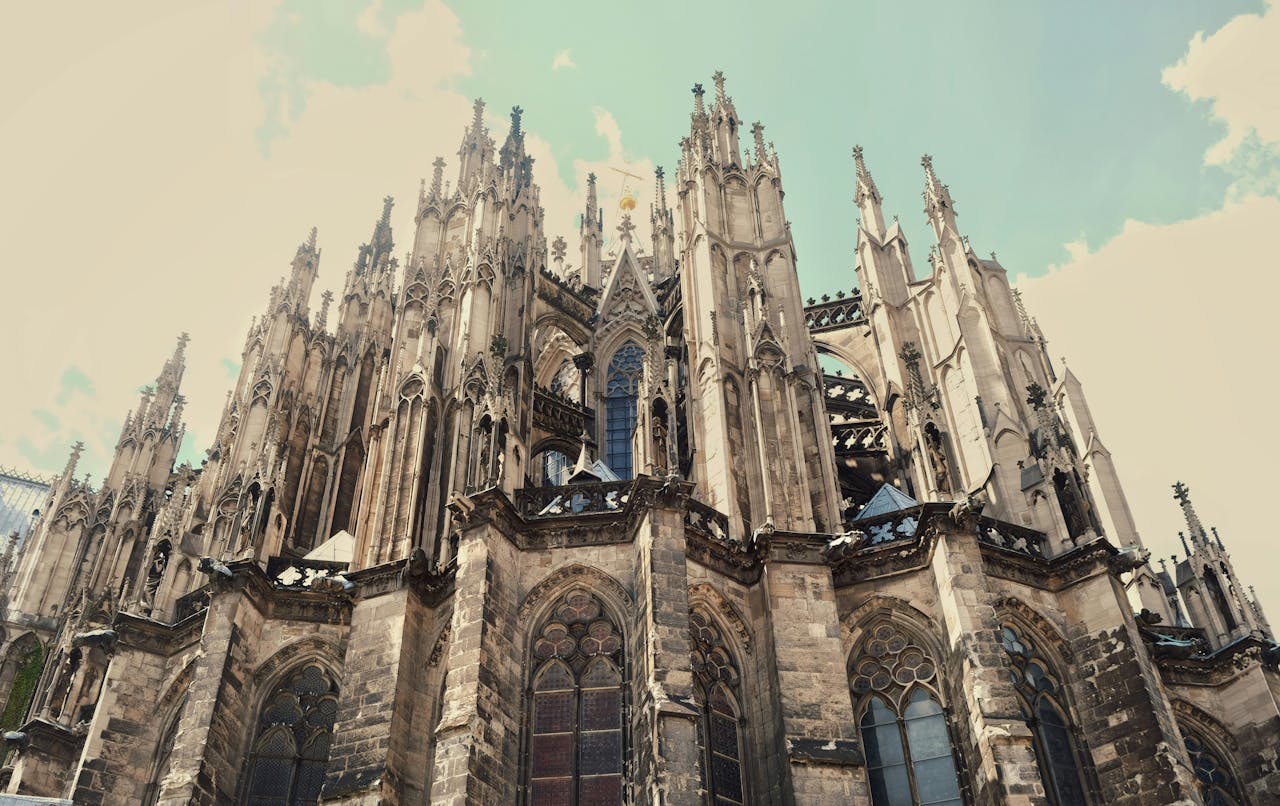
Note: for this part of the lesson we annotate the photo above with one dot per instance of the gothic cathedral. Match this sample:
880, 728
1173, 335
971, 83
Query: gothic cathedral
630, 524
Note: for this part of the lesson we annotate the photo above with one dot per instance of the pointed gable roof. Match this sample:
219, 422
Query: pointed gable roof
626, 273
887, 499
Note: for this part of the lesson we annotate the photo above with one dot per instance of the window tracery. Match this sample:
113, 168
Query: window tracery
905, 733
1041, 699
576, 706
717, 680
1217, 784
622, 389
295, 730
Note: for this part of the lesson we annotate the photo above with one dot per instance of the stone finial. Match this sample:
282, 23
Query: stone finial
718, 78
558, 249
437, 177
516, 113
387, 203
626, 228
477, 111
698, 108
866, 186
757, 132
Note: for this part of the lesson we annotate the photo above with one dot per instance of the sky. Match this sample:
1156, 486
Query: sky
162, 161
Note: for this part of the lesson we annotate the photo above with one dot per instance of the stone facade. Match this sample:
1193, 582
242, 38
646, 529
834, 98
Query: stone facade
522, 531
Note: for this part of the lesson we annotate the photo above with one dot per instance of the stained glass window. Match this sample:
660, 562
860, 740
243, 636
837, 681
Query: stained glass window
1040, 697
910, 759
575, 754
1217, 785
622, 388
717, 680
295, 729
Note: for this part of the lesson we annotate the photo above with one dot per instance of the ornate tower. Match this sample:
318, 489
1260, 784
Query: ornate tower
764, 457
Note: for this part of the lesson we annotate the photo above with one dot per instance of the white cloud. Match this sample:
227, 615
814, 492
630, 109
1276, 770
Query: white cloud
1236, 69
1171, 329
138, 203
562, 59
369, 23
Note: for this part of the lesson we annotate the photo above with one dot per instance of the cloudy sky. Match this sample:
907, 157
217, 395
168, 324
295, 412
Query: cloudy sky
161, 161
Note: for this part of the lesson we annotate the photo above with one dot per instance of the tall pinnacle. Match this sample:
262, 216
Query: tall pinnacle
477, 120
1182, 493
660, 187
437, 177
698, 108
718, 78
866, 185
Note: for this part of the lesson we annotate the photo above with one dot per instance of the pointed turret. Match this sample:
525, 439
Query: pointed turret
1182, 494
592, 230
662, 225
867, 197
475, 155
938, 205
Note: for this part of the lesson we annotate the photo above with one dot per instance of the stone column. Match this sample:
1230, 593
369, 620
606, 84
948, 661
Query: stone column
1000, 753
387, 699
823, 752
667, 759
477, 740
1124, 711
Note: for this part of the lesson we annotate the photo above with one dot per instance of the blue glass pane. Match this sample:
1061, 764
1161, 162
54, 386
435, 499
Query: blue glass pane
889, 786
883, 745
936, 780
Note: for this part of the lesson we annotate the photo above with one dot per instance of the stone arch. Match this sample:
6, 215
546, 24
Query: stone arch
312, 647
1028, 618
879, 608
1207, 725
542, 596
724, 611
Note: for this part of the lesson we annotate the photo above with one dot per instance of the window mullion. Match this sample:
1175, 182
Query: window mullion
906, 756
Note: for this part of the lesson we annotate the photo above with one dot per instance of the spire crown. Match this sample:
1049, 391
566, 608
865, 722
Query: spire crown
1182, 494
866, 188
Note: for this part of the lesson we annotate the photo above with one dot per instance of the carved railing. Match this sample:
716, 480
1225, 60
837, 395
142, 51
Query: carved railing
290, 572
707, 521
1011, 537
860, 438
849, 398
833, 314
573, 499
191, 603
561, 416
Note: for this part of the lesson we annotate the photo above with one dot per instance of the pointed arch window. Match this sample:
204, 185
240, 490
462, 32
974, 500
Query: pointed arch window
1214, 778
576, 707
291, 748
1041, 699
716, 685
905, 733
622, 389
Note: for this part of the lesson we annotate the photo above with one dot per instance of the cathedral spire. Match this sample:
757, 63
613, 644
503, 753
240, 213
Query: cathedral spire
381, 244
1182, 493
592, 230
867, 196
937, 199
475, 153
437, 177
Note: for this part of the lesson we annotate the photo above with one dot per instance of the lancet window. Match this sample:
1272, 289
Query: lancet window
295, 729
717, 687
576, 706
622, 389
1041, 699
1217, 784
905, 733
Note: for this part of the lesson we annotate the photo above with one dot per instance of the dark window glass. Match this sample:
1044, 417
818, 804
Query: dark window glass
1216, 783
622, 387
720, 729
1040, 697
910, 759
295, 730
575, 754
